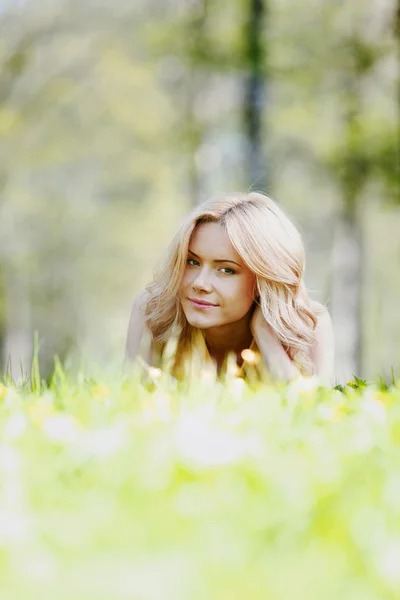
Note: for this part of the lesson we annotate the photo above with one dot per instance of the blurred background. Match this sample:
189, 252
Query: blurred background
117, 117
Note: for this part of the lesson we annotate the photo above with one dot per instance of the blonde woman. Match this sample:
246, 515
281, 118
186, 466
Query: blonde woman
232, 285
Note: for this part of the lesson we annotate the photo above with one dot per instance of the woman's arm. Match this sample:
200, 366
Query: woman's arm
136, 332
323, 351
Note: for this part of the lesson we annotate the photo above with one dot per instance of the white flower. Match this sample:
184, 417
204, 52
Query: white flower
389, 563
154, 372
101, 443
10, 459
363, 438
39, 566
204, 447
15, 427
305, 384
61, 428
375, 409
326, 412
162, 405
250, 357
15, 527
10, 396
236, 388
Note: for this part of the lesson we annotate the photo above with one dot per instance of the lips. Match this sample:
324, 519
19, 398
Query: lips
201, 303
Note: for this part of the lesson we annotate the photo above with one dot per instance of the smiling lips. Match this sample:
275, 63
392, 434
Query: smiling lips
196, 302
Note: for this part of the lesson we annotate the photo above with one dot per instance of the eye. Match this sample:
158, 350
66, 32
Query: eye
192, 262
228, 271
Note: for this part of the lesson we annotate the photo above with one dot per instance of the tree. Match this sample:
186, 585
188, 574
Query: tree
254, 98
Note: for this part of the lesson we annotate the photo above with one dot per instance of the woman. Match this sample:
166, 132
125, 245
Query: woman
232, 280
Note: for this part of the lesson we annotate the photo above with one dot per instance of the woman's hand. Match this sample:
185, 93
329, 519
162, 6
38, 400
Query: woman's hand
273, 353
258, 322
262, 330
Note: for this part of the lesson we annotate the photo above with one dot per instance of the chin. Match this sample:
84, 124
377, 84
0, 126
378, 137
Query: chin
199, 321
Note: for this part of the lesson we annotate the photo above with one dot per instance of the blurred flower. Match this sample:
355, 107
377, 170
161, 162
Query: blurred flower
376, 396
204, 447
10, 459
158, 407
61, 428
250, 357
305, 384
15, 426
326, 412
374, 408
302, 391
379, 396
389, 563
162, 405
8, 395
232, 369
15, 527
154, 373
236, 388
363, 438
207, 373
39, 565
40, 410
101, 443
233, 419
101, 392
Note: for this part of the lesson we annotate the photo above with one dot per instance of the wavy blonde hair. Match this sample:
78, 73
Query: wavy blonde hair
270, 246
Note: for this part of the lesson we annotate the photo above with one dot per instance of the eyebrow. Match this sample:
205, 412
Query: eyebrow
219, 260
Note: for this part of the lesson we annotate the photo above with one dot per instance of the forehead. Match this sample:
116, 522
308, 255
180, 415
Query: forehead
211, 242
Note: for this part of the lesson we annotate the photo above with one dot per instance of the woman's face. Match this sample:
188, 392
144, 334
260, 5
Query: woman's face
217, 288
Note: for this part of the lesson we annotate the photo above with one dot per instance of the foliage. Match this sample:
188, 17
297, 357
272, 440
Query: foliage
127, 487
116, 117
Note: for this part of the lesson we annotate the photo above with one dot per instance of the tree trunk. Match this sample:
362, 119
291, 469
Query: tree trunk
18, 338
346, 296
254, 94
353, 170
194, 82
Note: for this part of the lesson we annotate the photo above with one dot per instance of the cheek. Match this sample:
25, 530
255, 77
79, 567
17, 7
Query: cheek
185, 281
241, 294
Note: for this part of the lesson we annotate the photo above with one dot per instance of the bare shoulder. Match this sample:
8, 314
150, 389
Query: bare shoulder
319, 308
323, 350
137, 330
140, 300
324, 320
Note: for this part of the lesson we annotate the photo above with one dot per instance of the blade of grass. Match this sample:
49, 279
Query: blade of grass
35, 370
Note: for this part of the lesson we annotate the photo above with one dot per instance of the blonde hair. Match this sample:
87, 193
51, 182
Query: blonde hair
270, 246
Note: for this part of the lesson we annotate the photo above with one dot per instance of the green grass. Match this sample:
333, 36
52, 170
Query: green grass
115, 489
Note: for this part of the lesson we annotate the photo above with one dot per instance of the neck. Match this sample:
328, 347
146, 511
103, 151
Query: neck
233, 337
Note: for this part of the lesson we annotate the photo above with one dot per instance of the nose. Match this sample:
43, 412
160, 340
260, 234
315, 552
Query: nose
203, 281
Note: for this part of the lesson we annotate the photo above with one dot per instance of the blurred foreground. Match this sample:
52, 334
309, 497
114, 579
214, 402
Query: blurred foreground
112, 488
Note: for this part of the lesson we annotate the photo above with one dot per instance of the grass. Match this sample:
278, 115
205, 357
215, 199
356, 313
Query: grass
116, 488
